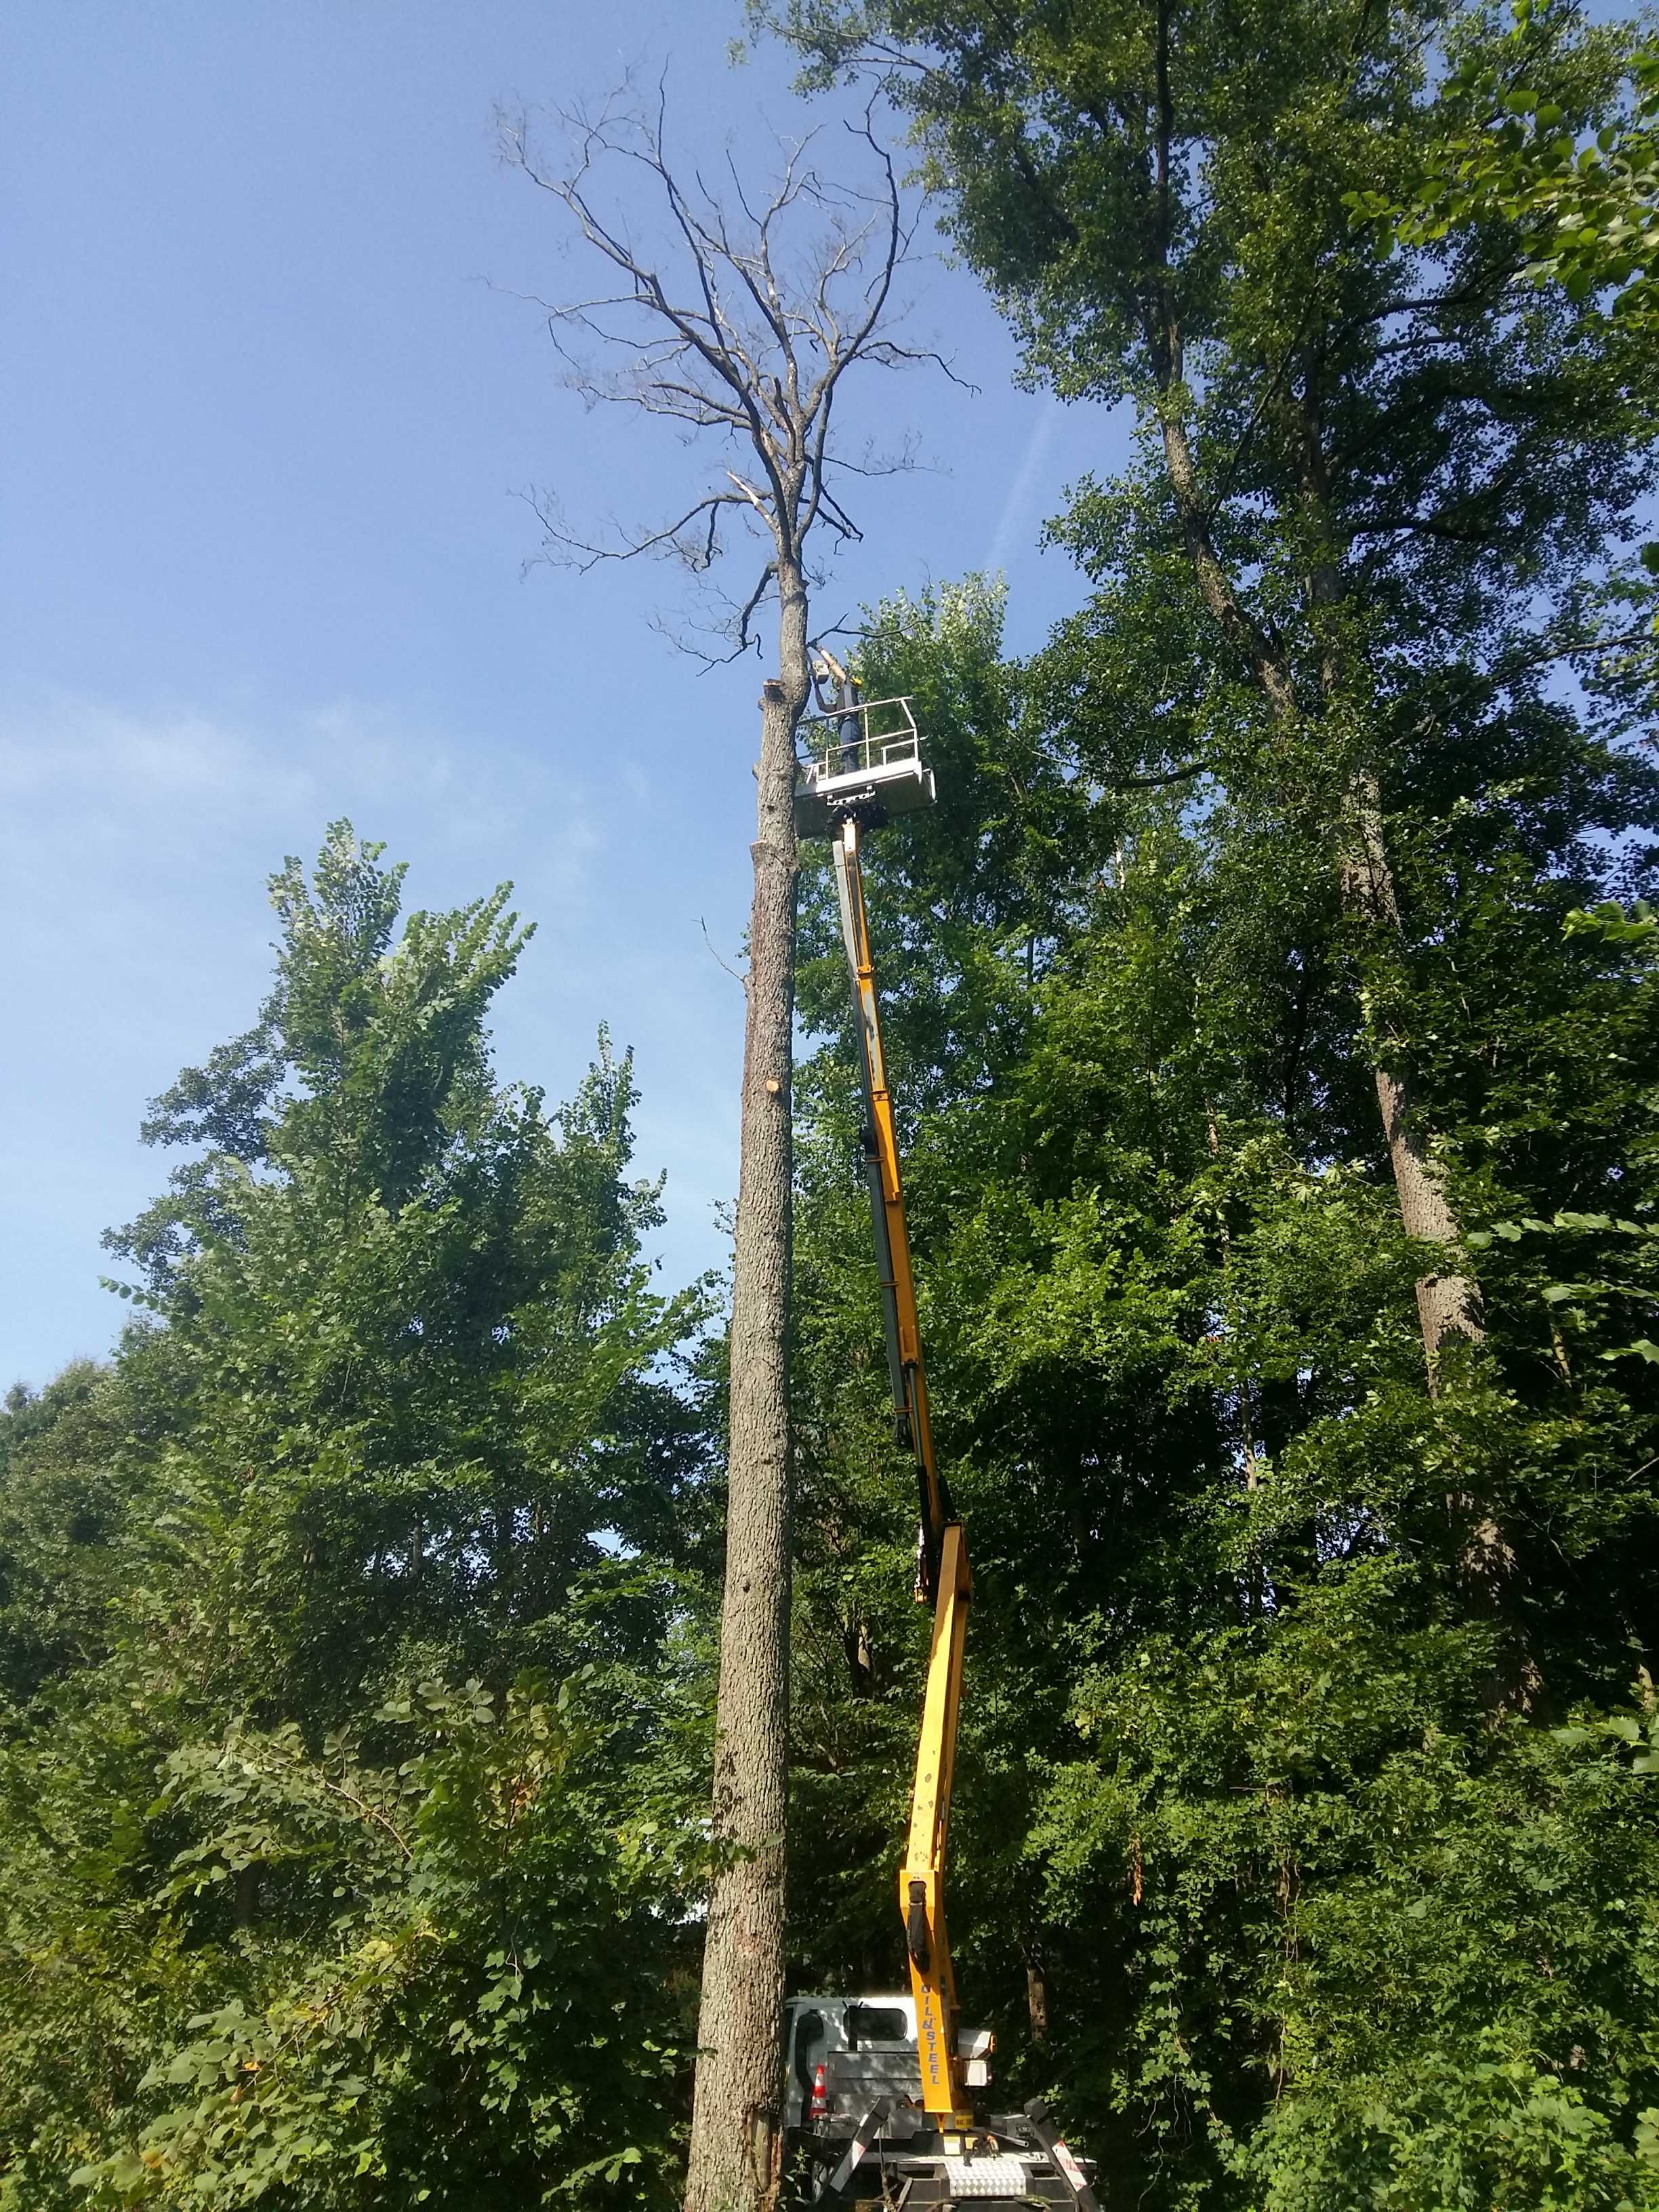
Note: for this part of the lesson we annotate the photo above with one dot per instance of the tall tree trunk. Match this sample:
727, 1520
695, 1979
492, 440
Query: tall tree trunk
735, 2132
1448, 1305
1037, 1994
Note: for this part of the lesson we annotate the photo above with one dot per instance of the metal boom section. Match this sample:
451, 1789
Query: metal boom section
943, 1578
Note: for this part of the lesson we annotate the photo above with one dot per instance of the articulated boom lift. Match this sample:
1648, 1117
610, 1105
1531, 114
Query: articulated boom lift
867, 768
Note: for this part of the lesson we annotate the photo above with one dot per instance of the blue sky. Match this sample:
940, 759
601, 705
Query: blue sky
271, 405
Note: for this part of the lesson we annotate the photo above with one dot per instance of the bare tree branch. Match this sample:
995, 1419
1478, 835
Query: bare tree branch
740, 981
566, 548
741, 326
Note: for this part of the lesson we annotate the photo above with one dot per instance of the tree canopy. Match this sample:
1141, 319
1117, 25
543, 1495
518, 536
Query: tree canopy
1273, 1007
339, 1667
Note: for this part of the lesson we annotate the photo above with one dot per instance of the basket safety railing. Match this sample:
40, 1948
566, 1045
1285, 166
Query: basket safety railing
853, 742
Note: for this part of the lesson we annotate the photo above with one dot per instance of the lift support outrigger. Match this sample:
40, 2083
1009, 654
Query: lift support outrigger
867, 768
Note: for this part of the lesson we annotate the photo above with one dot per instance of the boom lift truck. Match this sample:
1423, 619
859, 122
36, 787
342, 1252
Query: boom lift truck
883, 2103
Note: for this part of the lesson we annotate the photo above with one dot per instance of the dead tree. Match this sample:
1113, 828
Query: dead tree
742, 327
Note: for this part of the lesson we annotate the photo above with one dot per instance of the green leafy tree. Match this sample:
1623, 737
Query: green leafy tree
349, 1730
1369, 483
1268, 1861
1586, 206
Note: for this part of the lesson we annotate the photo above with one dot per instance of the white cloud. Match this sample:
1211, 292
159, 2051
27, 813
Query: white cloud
78, 773
53, 743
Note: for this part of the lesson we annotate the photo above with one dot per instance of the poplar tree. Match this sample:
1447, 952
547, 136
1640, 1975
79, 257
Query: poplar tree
1349, 458
1275, 1866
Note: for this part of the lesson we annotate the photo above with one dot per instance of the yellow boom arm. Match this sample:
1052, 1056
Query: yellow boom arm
943, 1578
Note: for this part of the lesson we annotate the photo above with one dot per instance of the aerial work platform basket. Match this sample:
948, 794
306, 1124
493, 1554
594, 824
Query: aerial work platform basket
864, 759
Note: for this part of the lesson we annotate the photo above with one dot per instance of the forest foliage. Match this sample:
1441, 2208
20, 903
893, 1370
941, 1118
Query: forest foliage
355, 1619
339, 1627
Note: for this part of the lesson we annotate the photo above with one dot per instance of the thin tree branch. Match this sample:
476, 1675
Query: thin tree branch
710, 335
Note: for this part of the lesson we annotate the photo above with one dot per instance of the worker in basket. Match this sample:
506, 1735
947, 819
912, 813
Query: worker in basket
838, 701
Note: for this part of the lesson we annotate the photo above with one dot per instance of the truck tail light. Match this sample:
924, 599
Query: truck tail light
818, 2106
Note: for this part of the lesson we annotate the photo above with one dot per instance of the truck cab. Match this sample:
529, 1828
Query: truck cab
856, 2133
843, 2053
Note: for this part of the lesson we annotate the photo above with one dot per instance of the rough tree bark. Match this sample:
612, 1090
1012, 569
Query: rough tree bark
740, 2065
744, 341
1036, 1995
